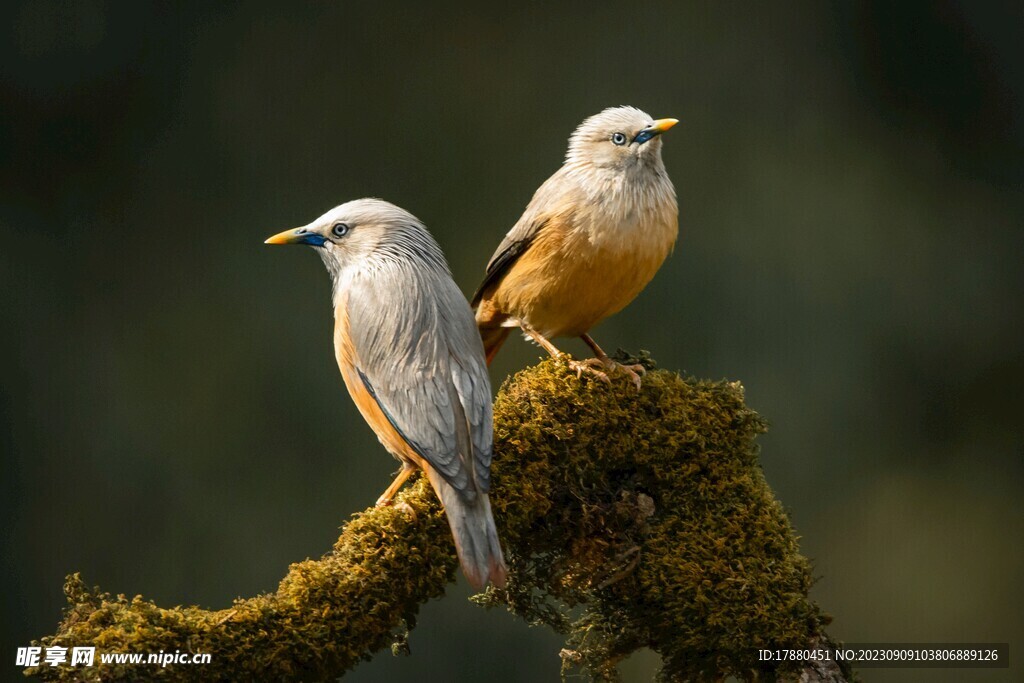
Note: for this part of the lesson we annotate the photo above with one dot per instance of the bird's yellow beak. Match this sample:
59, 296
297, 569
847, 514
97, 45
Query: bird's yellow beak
287, 237
297, 236
654, 130
661, 125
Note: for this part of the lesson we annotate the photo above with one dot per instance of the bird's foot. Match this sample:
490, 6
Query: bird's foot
384, 502
407, 509
591, 367
633, 371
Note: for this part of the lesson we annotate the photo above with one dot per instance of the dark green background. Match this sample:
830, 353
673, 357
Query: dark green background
849, 176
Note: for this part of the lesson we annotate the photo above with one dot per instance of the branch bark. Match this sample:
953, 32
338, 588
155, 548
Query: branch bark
644, 515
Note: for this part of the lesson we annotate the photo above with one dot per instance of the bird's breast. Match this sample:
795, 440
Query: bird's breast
581, 271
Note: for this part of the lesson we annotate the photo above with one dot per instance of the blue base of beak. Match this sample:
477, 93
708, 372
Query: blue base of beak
312, 239
645, 135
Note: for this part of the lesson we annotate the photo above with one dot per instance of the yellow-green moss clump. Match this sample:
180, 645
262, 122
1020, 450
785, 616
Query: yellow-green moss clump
651, 512
629, 520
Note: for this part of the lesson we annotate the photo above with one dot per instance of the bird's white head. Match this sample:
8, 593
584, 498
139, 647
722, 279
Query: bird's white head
366, 233
618, 139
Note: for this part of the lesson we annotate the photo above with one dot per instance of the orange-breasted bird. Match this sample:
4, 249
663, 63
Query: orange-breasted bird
413, 362
590, 240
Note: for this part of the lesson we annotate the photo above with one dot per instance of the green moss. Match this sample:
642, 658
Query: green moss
651, 512
630, 519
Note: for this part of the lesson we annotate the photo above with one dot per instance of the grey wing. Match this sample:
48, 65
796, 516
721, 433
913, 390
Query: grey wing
472, 384
420, 356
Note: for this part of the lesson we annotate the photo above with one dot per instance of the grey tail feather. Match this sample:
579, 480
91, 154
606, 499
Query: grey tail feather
476, 538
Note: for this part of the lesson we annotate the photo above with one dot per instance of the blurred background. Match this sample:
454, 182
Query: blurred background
172, 421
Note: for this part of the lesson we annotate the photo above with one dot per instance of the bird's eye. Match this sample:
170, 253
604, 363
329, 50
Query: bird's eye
339, 229
619, 138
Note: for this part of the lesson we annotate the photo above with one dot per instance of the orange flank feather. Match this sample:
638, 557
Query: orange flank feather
365, 402
490, 322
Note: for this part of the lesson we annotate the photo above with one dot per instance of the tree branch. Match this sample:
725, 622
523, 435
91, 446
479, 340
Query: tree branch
645, 515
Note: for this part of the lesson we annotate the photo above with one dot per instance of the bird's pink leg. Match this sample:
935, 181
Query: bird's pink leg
634, 371
403, 475
580, 366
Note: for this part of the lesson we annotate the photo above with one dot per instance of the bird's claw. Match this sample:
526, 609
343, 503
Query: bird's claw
406, 508
635, 372
589, 366
383, 502
601, 368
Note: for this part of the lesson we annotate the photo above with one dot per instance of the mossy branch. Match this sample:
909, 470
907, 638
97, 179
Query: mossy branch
645, 516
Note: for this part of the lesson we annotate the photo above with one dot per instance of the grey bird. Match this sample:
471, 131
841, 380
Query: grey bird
590, 240
413, 362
